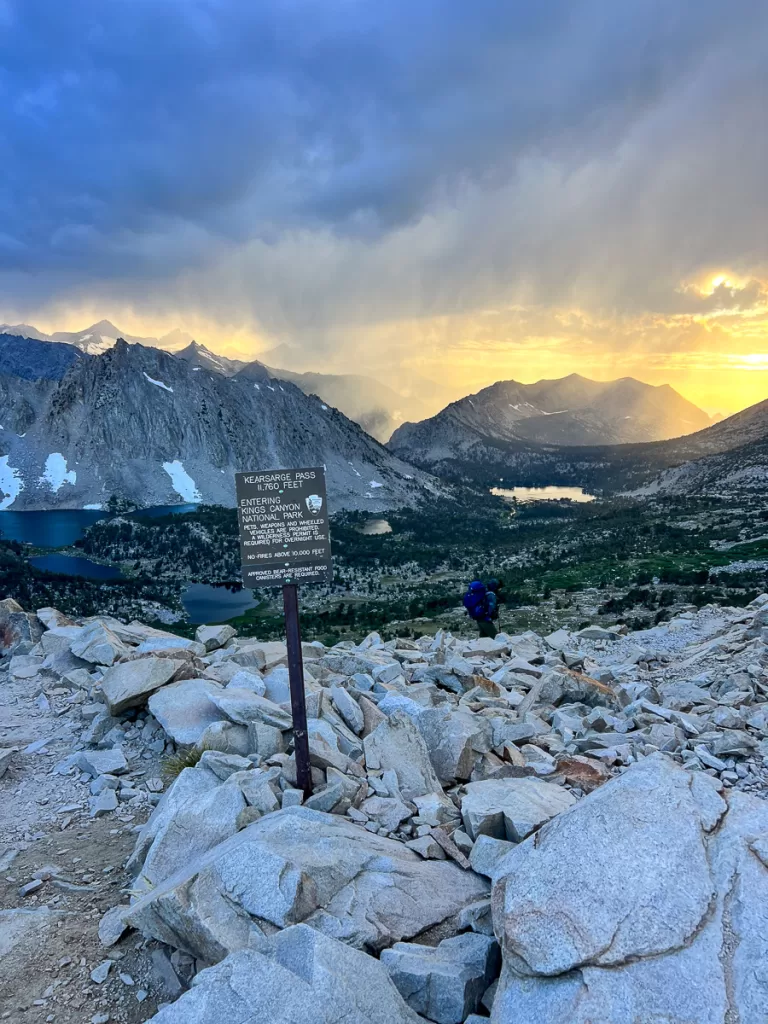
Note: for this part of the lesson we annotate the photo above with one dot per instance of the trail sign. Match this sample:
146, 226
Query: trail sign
284, 533
285, 539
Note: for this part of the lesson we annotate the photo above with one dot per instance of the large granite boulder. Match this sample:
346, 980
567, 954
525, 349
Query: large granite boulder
297, 977
647, 901
16, 625
167, 644
299, 865
398, 744
213, 637
197, 817
198, 825
226, 737
98, 645
511, 808
130, 683
455, 739
445, 983
185, 709
191, 786
243, 707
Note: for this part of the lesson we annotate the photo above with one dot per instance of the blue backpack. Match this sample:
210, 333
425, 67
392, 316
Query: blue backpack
476, 602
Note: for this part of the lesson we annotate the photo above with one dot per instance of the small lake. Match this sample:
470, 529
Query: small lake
61, 527
204, 602
72, 565
543, 493
375, 527
56, 528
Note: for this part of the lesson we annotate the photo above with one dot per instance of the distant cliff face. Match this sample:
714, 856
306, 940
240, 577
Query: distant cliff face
148, 426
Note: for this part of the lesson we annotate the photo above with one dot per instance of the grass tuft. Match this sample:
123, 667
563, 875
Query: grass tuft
172, 765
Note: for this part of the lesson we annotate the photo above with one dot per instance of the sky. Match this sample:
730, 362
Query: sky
461, 191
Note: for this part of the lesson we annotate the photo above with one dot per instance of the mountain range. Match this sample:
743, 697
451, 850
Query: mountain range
84, 419
570, 411
378, 408
98, 337
158, 428
729, 454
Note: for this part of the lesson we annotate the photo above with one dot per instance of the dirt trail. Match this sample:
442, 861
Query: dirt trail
46, 959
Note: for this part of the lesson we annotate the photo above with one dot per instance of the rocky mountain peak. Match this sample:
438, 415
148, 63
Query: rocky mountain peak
572, 410
175, 340
103, 327
143, 424
24, 331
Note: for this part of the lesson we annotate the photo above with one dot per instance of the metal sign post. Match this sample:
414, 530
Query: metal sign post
296, 678
285, 539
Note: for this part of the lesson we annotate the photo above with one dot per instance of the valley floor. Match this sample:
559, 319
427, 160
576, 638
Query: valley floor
631, 561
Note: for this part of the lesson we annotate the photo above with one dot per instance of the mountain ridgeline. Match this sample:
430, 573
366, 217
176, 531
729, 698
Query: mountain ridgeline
154, 428
90, 417
377, 407
569, 411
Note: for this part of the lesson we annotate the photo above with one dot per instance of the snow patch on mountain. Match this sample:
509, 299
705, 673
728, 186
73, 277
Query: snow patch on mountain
157, 383
181, 481
11, 483
94, 344
55, 473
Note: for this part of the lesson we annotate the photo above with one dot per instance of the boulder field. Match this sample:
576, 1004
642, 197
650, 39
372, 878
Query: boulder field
568, 829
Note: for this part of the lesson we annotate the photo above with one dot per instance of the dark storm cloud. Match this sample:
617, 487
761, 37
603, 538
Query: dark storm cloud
564, 148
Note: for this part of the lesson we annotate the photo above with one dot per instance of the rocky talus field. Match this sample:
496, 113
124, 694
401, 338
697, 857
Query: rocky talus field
565, 829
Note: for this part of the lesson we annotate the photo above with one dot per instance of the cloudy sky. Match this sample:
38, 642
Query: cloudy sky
465, 191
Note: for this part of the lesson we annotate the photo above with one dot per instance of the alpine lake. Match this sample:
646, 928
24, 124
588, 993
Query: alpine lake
61, 528
542, 494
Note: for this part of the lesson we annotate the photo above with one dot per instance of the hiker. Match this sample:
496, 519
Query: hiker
482, 604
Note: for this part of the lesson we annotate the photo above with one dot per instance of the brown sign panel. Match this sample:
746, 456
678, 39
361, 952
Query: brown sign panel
284, 530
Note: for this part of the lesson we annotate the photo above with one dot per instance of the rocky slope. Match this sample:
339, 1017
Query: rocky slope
35, 360
152, 428
199, 356
377, 408
744, 468
24, 331
571, 411
566, 828
731, 455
